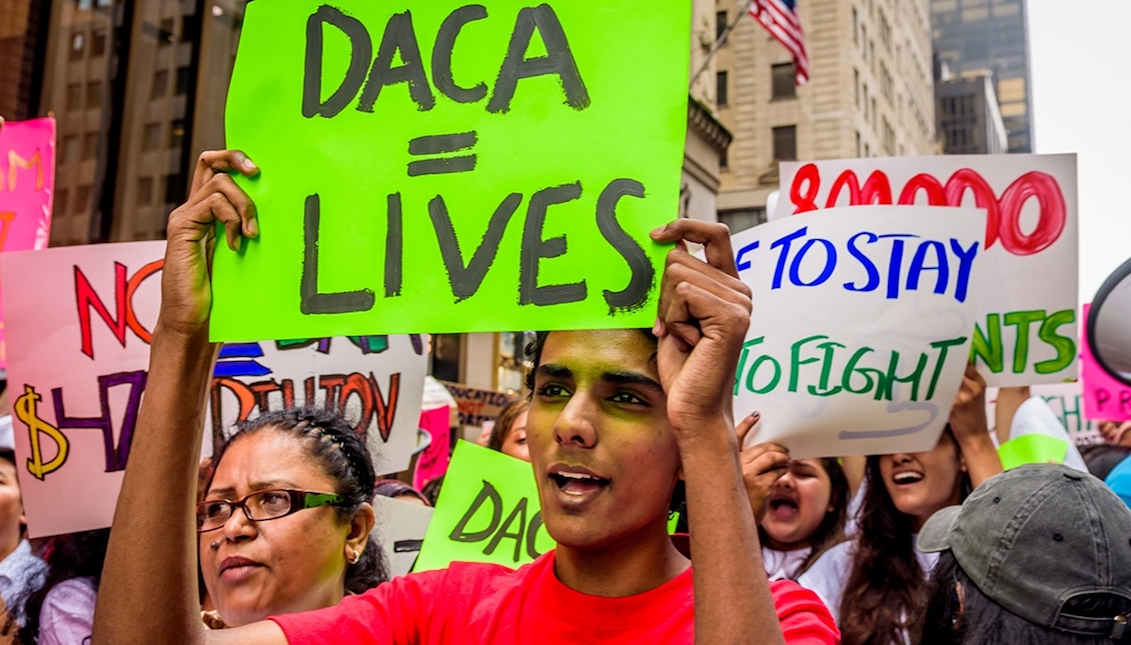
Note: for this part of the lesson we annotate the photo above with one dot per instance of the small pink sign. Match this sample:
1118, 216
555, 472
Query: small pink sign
1105, 399
433, 461
27, 187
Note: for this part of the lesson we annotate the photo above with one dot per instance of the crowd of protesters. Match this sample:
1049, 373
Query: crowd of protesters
270, 540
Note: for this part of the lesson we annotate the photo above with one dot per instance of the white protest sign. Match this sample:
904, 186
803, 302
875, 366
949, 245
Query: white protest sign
1026, 332
79, 321
375, 381
399, 530
861, 327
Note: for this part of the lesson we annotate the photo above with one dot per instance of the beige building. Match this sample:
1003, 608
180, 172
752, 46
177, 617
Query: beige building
870, 94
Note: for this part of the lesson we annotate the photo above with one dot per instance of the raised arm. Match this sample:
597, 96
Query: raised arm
148, 591
704, 315
971, 430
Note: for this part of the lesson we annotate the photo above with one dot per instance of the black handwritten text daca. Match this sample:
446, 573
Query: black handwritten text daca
399, 42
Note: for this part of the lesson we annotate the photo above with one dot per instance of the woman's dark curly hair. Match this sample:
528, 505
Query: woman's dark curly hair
333, 444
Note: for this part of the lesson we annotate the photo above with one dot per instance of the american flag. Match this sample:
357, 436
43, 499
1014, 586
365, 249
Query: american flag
780, 18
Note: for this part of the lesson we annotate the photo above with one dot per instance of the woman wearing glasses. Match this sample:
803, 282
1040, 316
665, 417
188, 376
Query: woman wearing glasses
285, 522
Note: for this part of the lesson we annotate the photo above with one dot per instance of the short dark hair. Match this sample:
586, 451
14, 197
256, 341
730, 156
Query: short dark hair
9, 455
342, 454
534, 354
984, 622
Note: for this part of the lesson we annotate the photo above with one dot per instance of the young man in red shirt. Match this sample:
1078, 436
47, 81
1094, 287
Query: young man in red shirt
616, 418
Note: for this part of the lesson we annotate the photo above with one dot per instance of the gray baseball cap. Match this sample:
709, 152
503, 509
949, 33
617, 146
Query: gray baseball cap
1037, 536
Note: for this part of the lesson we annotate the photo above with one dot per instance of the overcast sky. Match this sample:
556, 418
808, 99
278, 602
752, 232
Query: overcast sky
1080, 60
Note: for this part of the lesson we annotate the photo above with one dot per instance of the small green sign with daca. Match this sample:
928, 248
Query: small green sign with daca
488, 511
451, 167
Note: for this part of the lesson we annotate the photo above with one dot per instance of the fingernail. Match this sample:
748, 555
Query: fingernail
755, 414
657, 232
657, 328
252, 228
248, 164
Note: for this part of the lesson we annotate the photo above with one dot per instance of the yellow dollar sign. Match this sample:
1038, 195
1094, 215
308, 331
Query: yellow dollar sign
25, 411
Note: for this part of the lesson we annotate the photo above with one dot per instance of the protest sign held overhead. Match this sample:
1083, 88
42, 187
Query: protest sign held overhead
497, 201
27, 189
1026, 331
861, 329
488, 511
81, 319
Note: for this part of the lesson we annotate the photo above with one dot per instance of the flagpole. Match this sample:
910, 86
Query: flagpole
720, 40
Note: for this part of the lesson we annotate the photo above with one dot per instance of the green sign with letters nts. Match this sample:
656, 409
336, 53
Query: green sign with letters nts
447, 167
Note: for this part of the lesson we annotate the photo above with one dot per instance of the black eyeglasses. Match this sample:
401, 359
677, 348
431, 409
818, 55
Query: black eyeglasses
260, 506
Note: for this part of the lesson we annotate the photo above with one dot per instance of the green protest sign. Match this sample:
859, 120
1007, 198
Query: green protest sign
1032, 449
451, 167
488, 511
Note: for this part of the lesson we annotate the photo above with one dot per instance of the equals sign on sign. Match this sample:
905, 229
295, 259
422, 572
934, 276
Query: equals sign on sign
442, 144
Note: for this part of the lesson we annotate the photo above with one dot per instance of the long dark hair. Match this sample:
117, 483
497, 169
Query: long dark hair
74, 555
978, 620
884, 593
830, 532
331, 442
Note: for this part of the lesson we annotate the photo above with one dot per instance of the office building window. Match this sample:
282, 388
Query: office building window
856, 87
165, 32
151, 137
74, 96
89, 145
93, 95
724, 159
70, 149
176, 134
740, 219
160, 84
857, 143
855, 27
182, 81
98, 43
78, 45
720, 26
785, 143
144, 191
82, 199
784, 84
721, 88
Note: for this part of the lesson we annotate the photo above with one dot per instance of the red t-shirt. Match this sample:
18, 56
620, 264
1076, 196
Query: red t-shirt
476, 603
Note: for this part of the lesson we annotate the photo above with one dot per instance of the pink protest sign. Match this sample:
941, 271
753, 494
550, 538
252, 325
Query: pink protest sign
27, 185
79, 320
1105, 399
433, 461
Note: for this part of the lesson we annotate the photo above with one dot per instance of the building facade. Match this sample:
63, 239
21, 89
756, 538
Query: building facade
870, 94
990, 35
969, 122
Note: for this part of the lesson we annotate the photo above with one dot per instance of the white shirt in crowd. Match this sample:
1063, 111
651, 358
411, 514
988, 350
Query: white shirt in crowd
829, 574
20, 572
783, 565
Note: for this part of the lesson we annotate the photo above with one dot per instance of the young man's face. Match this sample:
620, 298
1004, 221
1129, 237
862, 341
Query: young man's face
603, 452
